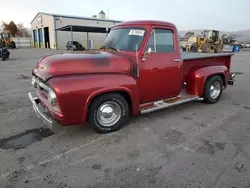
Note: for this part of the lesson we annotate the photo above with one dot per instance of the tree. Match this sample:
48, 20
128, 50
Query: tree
16, 29
11, 27
22, 31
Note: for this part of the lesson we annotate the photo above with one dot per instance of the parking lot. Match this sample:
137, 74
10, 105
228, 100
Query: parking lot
194, 145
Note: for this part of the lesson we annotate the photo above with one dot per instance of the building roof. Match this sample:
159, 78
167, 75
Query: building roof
102, 12
75, 17
79, 28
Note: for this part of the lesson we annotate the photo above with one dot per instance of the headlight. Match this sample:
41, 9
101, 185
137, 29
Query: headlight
52, 97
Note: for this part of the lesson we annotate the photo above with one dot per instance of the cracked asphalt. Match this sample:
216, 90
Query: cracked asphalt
194, 145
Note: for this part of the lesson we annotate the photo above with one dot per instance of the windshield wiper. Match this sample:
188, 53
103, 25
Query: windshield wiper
109, 47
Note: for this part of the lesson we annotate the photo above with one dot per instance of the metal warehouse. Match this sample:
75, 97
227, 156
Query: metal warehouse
55, 30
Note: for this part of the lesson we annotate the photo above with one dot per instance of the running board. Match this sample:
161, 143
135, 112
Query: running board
159, 105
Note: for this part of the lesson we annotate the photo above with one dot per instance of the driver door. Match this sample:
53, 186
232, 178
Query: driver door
160, 69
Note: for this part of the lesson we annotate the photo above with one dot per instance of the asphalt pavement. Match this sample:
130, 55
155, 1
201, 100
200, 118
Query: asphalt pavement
195, 145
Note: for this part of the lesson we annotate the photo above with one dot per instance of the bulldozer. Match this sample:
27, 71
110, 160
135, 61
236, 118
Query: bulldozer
6, 41
207, 41
229, 39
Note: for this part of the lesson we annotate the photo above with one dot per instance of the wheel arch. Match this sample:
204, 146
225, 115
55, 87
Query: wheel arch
125, 92
199, 77
220, 75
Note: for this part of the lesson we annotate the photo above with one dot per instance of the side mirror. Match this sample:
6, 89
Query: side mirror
149, 51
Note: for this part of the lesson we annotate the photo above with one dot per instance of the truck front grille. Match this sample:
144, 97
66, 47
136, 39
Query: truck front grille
40, 85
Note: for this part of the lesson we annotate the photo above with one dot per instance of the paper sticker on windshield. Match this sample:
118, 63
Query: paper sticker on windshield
136, 32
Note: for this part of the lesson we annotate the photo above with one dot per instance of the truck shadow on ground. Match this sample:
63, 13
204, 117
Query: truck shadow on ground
135, 123
24, 139
138, 121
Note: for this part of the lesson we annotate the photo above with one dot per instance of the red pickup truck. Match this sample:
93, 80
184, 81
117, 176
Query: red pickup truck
139, 69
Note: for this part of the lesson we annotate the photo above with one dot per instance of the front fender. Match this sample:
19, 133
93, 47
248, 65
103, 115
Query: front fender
197, 78
76, 92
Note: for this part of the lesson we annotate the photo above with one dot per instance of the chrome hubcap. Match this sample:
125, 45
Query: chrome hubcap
109, 113
215, 89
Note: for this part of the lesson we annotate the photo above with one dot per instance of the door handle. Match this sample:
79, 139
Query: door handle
177, 60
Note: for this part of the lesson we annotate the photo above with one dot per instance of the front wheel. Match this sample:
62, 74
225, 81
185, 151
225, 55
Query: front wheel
213, 89
108, 112
13, 44
194, 47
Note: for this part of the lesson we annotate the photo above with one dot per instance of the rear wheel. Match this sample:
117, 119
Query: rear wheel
205, 48
13, 44
108, 112
213, 89
218, 48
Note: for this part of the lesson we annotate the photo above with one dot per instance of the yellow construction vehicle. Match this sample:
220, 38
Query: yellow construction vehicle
6, 40
207, 41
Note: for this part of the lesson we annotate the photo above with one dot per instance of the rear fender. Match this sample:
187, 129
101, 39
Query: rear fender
197, 78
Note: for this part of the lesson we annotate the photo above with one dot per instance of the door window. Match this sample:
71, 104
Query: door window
161, 40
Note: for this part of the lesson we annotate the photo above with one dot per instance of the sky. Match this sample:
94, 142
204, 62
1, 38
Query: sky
224, 15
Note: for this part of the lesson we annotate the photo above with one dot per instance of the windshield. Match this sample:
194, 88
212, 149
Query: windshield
5, 35
125, 39
76, 43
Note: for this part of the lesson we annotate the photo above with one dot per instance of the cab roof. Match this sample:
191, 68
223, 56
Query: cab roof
146, 22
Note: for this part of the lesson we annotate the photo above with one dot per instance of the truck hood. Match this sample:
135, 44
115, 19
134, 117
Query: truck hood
82, 63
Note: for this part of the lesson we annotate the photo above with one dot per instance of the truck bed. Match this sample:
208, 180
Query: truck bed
191, 56
194, 61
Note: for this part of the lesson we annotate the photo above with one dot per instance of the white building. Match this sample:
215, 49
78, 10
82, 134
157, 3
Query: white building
54, 30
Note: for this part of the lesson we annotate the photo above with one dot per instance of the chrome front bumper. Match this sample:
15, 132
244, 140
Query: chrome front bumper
41, 114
